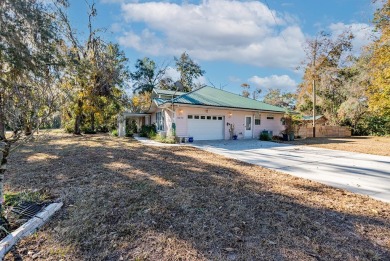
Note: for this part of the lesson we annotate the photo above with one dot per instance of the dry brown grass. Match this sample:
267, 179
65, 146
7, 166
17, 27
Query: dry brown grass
126, 201
362, 144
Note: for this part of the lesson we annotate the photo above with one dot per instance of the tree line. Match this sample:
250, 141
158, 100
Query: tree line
350, 90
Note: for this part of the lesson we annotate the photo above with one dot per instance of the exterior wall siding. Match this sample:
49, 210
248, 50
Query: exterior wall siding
181, 122
236, 117
153, 117
167, 123
147, 120
275, 125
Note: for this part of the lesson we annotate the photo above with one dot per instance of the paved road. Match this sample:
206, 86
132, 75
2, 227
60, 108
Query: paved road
357, 172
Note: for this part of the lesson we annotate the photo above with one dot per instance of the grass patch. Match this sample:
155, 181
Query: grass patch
159, 138
12, 199
362, 144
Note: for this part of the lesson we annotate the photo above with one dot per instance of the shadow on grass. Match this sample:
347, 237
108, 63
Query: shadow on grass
125, 200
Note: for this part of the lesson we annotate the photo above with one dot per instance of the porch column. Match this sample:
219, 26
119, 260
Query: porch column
121, 126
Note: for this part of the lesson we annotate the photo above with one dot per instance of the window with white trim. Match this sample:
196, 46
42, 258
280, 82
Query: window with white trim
160, 121
257, 119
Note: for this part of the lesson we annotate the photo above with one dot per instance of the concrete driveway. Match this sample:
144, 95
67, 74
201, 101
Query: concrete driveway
360, 173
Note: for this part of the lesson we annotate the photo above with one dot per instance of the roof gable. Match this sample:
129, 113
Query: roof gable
160, 92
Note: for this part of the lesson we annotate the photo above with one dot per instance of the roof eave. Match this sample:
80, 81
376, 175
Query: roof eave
226, 107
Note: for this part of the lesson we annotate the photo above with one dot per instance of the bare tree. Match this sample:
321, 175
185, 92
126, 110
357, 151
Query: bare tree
321, 89
245, 90
95, 74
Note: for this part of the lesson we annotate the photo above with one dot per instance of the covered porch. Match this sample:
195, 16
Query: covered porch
139, 118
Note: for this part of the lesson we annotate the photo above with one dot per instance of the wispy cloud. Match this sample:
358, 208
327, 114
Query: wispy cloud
362, 32
282, 82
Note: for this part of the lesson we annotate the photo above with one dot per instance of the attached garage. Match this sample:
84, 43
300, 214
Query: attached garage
205, 127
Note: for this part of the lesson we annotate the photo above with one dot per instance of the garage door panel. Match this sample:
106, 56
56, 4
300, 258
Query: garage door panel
208, 128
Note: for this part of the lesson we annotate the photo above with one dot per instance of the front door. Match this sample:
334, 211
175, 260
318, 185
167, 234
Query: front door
248, 127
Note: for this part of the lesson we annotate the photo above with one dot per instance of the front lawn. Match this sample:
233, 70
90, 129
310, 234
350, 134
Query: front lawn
125, 201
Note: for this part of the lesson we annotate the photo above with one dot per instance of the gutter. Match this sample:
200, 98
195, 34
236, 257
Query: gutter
166, 105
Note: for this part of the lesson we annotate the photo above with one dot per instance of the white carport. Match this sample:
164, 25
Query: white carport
141, 119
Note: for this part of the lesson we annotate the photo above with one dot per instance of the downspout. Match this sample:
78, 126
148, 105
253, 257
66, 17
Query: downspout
173, 125
253, 126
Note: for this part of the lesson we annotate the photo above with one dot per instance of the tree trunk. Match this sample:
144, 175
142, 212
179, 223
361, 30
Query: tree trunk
5, 148
2, 119
92, 121
77, 122
27, 129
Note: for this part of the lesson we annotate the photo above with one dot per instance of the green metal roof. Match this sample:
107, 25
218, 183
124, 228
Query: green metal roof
160, 101
209, 96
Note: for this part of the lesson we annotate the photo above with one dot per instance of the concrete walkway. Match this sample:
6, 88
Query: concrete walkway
360, 173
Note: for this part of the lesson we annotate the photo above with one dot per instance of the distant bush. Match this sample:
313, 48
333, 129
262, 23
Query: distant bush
103, 128
277, 138
169, 140
148, 131
69, 126
129, 133
88, 131
114, 133
132, 126
377, 126
265, 136
69, 129
372, 125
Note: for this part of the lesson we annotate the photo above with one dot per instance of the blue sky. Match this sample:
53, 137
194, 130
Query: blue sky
257, 42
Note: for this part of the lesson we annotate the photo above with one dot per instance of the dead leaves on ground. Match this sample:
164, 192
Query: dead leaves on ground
127, 201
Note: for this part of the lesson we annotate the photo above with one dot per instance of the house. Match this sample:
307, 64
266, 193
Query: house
210, 114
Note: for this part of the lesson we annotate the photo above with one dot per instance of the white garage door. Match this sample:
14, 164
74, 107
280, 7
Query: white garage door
205, 127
